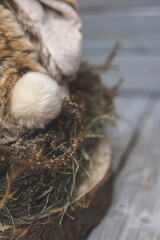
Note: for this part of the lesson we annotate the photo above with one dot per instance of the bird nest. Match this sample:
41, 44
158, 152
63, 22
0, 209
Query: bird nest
41, 170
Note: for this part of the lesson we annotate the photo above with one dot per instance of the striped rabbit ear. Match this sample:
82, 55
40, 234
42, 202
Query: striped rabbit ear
73, 3
32, 34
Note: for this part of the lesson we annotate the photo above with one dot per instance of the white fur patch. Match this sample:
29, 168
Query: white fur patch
36, 100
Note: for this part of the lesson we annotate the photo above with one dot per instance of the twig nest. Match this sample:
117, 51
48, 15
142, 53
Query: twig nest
43, 170
36, 100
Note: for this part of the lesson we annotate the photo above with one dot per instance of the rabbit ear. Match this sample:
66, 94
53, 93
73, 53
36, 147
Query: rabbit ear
33, 35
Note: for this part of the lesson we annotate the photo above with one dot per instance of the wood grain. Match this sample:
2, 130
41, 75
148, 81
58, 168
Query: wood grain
134, 213
140, 74
139, 35
135, 208
128, 121
138, 60
91, 3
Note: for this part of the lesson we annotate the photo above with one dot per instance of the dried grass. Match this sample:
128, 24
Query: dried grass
41, 170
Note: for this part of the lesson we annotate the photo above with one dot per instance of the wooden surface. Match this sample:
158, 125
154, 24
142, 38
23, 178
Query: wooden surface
135, 210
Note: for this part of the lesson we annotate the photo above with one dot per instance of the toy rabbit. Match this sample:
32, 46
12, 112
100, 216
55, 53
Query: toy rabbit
29, 97
34, 63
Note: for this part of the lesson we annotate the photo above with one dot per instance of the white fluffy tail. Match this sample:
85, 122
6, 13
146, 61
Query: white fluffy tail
36, 100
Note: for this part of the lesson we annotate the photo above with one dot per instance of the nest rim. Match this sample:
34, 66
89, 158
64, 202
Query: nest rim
99, 154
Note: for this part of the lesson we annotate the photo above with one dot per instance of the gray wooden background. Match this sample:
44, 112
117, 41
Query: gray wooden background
135, 210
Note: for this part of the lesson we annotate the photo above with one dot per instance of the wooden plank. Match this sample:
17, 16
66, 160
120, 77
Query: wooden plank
128, 118
139, 58
140, 74
139, 35
86, 3
134, 213
99, 51
120, 10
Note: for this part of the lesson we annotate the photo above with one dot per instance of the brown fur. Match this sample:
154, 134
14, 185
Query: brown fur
31, 33
17, 57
